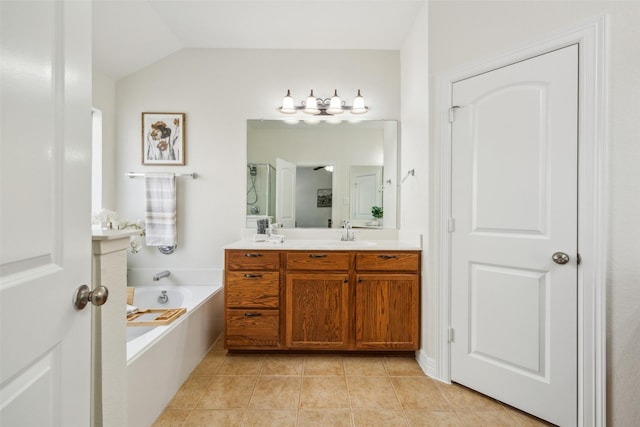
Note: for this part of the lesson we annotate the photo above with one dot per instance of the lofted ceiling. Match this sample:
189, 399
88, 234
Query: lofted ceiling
132, 34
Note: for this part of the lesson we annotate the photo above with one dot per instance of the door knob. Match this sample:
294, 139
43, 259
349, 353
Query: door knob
560, 258
84, 295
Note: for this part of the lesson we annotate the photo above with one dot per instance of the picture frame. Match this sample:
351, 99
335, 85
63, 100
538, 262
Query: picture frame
163, 139
324, 198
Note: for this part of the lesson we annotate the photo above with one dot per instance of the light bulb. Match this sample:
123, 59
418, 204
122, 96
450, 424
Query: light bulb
358, 105
311, 105
335, 105
287, 104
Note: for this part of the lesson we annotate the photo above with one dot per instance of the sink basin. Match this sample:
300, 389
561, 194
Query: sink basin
328, 244
352, 244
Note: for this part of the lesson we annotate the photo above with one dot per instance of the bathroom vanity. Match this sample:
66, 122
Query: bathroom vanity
322, 296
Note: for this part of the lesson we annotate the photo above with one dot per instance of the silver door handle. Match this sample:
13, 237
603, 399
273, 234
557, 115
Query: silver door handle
84, 295
560, 258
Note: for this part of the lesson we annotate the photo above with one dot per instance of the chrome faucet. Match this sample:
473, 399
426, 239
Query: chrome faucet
348, 232
158, 276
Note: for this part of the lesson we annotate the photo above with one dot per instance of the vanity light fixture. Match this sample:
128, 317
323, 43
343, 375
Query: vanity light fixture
323, 106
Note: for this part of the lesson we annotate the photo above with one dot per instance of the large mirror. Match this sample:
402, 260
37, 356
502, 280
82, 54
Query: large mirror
319, 175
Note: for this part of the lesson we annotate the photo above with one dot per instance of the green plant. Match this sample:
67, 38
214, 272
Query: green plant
376, 212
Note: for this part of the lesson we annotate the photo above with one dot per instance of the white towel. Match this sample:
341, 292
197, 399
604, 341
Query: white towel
160, 215
131, 309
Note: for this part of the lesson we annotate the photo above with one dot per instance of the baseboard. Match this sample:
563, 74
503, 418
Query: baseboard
427, 364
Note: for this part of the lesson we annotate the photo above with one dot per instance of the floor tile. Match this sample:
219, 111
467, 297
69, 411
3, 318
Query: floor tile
328, 390
269, 418
419, 393
276, 393
402, 367
323, 418
189, 393
466, 399
227, 392
524, 419
324, 393
371, 418
422, 418
241, 365
214, 417
283, 365
323, 365
172, 418
366, 366
210, 364
372, 393
499, 418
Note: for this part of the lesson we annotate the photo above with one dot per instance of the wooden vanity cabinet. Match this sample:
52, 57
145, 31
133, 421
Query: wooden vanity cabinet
312, 300
386, 300
317, 300
252, 299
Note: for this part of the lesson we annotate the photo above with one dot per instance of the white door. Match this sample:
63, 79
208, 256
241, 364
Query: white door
514, 204
45, 243
366, 190
285, 193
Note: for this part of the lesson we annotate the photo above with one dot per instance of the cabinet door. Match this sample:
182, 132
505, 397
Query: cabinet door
317, 310
387, 314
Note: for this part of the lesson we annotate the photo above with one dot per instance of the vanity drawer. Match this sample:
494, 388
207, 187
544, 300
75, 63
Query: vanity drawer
252, 289
317, 260
387, 261
252, 328
253, 260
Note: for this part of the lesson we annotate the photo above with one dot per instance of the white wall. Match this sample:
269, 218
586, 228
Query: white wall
104, 99
219, 89
464, 33
414, 154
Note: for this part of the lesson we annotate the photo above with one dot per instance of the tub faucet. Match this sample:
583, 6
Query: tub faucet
158, 276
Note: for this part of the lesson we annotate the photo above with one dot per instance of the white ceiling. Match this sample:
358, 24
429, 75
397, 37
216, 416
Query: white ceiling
129, 35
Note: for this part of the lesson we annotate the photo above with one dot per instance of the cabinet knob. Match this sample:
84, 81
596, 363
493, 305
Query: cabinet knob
345, 281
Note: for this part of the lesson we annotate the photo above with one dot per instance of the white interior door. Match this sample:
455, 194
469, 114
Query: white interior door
285, 193
45, 243
366, 190
514, 204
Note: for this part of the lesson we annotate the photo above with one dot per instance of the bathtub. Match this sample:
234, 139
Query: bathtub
159, 359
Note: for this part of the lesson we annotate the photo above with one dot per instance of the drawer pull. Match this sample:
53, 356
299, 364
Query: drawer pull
317, 255
253, 276
252, 314
387, 256
253, 255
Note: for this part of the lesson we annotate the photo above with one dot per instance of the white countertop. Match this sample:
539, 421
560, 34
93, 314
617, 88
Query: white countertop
113, 234
327, 245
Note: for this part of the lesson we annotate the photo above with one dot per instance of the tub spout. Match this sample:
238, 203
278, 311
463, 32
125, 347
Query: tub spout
158, 276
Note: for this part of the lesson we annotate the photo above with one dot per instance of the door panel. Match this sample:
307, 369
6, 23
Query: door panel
285, 193
45, 243
514, 203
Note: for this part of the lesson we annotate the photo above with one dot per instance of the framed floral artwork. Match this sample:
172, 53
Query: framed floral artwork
163, 139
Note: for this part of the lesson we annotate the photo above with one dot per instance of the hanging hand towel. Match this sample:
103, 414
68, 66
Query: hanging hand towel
160, 215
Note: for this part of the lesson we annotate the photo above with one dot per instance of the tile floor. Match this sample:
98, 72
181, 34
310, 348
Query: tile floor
310, 390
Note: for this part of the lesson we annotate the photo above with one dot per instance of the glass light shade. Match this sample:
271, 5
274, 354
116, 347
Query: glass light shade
311, 105
335, 105
358, 105
287, 104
